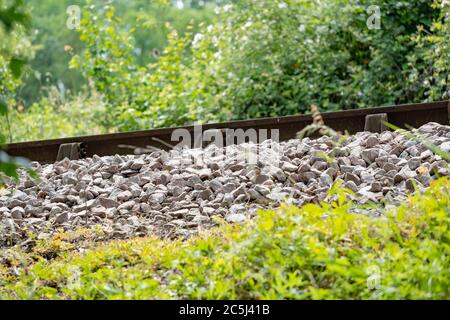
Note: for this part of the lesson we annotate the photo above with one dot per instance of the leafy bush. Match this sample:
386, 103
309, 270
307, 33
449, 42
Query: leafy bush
314, 252
53, 117
430, 75
135, 94
270, 58
56, 42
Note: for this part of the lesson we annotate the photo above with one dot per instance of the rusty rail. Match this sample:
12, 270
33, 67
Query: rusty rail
415, 115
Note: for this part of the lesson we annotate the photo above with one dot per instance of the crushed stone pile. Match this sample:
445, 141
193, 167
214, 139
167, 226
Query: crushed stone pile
174, 194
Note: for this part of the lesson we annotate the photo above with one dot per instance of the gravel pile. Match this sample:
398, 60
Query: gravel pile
173, 194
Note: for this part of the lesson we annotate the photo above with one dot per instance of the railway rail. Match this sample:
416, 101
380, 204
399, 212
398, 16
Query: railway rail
352, 121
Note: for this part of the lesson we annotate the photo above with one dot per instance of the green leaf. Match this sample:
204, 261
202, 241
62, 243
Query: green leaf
10, 169
9, 165
16, 66
3, 107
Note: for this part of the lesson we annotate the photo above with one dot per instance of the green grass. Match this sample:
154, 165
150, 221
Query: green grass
313, 252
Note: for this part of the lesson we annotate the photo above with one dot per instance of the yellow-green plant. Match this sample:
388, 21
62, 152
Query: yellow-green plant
313, 252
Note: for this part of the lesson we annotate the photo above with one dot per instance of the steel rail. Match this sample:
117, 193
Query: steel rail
352, 121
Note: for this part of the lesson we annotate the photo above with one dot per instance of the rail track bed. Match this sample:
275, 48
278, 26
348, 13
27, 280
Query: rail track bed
172, 195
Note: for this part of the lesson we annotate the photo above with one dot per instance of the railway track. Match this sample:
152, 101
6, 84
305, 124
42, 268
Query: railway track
415, 115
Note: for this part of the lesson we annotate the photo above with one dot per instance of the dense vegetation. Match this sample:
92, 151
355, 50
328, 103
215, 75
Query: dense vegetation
57, 42
317, 251
155, 65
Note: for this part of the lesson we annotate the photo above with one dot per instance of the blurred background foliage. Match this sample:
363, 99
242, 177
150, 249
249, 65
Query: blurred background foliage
143, 64
15, 51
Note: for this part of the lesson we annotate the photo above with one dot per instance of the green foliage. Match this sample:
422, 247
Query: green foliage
28, 97
255, 58
15, 48
268, 58
314, 252
52, 117
14, 51
9, 166
108, 56
57, 43
430, 74
135, 95
271, 58
11, 14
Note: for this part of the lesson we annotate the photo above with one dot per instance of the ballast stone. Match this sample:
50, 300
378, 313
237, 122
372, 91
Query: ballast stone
171, 194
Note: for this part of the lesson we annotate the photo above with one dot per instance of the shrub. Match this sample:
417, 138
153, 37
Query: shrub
136, 96
430, 76
53, 117
270, 58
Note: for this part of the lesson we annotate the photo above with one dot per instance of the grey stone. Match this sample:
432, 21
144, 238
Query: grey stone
137, 164
157, 197
385, 137
304, 168
369, 155
289, 167
390, 166
414, 163
372, 141
215, 185
277, 173
16, 203
193, 180
426, 154
99, 212
124, 196
235, 218
33, 211
107, 202
55, 210
307, 176
320, 165
352, 177
351, 185
325, 180
168, 194
17, 213
255, 195
376, 187
228, 199
111, 169
126, 205
205, 194
239, 191
260, 179
145, 208
262, 189
411, 184
62, 218
367, 177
